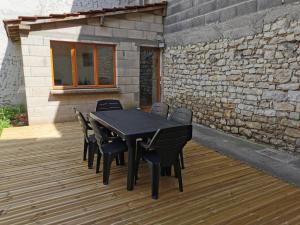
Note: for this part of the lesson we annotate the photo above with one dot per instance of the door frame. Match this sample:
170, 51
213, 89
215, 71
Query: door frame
157, 51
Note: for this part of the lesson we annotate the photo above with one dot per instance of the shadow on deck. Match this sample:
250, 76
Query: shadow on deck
44, 181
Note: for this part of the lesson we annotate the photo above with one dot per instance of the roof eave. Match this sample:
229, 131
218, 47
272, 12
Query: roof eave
24, 23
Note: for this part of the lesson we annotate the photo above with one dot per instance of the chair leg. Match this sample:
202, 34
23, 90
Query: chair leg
163, 171
178, 174
181, 159
107, 160
85, 148
122, 159
168, 171
137, 163
155, 170
99, 154
117, 160
91, 153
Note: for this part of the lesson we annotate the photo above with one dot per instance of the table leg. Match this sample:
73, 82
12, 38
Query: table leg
131, 144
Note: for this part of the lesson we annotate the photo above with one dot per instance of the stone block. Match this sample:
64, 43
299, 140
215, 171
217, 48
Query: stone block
38, 82
274, 95
213, 17
103, 31
156, 27
253, 125
37, 91
129, 88
227, 3
123, 33
294, 96
291, 1
149, 35
39, 61
133, 64
133, 16
180, 7
32, 40
265, 4
284, 106
127, 46
289, 86
136, 34
142, 26
227, 13
206, 7
171, 19
149, 18
295, 116
127, 24
247, 8
40, 71
112, 22
298, 107
73, 30
25, 50
295, 133
198, 21
158, 19
36, 50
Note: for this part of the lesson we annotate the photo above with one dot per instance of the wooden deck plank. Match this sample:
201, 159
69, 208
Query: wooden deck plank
44, 181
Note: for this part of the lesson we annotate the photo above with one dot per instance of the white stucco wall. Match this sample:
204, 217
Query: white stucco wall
11, 72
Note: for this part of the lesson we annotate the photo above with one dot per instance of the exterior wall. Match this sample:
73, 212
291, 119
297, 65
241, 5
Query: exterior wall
11, 72
128, 32
187, 14
246, 84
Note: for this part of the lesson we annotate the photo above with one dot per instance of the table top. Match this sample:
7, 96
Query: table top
132, 123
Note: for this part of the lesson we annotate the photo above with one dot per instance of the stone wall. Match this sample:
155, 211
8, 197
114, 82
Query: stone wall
248, 86
186, 14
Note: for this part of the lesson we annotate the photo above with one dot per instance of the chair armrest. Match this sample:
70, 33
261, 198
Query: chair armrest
144, 144
114, 138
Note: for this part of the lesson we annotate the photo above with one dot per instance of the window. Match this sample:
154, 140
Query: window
79, 65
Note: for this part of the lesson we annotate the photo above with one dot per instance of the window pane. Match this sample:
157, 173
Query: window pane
62, 63
85, 64
105, 60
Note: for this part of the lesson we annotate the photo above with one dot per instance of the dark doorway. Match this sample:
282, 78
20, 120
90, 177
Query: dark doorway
149, 77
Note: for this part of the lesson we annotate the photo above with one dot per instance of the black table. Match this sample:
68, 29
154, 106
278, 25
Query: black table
130, 125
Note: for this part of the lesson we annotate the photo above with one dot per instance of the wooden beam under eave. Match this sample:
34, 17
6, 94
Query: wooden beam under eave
80, 17
24, 27
160, 12
101, 20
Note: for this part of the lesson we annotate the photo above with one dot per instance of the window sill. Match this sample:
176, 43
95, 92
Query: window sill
84, 91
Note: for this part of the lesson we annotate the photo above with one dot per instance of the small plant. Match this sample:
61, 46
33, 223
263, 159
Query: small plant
12, 116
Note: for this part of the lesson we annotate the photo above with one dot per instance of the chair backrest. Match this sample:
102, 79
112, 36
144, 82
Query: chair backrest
83, 122
108, 104
169, 142
100, 134
182, 115
160, 109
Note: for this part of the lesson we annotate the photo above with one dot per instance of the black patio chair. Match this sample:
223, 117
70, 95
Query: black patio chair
89, 140
163, 152
106, 148
183, 116
108, 104
160, 109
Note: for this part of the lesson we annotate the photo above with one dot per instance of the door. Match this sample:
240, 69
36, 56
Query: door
149, 77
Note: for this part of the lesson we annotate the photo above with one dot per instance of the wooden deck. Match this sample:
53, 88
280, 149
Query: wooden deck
44, 181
